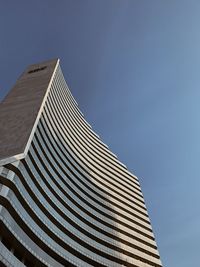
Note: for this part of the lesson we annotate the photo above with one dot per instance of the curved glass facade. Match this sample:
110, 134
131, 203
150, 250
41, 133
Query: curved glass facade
65, 199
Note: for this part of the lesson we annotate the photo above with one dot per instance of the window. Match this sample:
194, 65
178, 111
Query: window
38, 69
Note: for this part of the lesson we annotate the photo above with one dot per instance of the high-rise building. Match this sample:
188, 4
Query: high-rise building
65, 199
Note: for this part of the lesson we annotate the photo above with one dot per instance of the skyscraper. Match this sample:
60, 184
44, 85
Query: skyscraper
65, 199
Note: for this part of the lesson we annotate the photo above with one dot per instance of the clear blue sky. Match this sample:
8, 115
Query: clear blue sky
134, 68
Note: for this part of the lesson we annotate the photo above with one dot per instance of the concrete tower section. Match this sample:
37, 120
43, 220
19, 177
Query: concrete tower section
65, 199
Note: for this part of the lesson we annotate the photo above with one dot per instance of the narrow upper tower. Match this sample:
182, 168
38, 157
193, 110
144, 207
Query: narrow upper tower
21, 108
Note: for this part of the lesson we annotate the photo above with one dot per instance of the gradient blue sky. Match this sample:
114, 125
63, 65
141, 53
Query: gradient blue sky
134, 68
